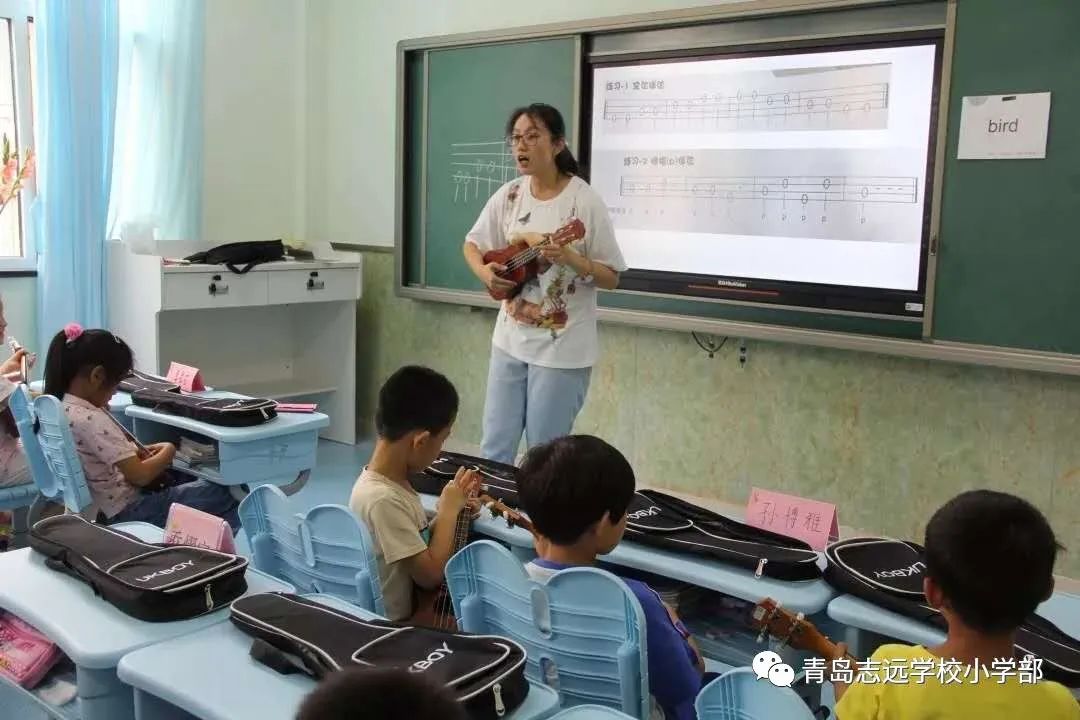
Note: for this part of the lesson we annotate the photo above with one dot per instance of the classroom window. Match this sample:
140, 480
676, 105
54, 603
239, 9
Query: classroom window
17, 123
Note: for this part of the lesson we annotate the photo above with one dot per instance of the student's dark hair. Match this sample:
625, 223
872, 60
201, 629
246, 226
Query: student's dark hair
68, 359
383, 694
992, 554
571, 483
552, 119
415, 398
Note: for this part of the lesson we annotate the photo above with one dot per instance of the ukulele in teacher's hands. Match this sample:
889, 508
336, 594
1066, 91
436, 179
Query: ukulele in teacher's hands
521, 259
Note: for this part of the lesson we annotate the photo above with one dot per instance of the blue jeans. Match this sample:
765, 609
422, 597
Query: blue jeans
153, 507
541, 402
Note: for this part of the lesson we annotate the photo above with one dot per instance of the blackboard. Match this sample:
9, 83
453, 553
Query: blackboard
1009, 265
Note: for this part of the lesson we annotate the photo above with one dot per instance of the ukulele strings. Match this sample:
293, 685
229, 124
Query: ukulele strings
443, 604
526, 256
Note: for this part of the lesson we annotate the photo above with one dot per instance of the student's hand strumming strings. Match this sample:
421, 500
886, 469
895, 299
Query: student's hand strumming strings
459, 491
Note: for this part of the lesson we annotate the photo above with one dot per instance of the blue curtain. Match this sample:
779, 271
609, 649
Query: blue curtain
157, 176
77, 42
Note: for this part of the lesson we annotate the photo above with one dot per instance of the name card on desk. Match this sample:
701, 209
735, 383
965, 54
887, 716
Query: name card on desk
188, 378
812, 521
188, 526
296, 407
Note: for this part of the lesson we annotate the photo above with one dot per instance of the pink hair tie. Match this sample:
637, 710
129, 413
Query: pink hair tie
72, 331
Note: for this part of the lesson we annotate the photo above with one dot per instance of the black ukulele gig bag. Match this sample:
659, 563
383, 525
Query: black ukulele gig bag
660, 520
889, 573
138, 380
486, 674
240, 257
228, 412
499, 480
157, 583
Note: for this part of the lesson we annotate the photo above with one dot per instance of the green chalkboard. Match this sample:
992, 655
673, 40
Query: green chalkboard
470, 94
1009, 265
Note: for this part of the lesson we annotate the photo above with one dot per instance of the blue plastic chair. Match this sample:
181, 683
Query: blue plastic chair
583, 630
58, 449
590, 712
31, 494
325, 550
25, 420
739, 695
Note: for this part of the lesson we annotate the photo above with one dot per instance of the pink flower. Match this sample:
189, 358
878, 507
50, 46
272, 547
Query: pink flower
72, 331
10, 169
30, 165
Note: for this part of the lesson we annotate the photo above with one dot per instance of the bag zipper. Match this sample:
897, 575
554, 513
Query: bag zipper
500, 708
209, 598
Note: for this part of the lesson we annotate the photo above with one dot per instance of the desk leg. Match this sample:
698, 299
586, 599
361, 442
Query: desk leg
102, 696
296, 485
240, 491
151, 707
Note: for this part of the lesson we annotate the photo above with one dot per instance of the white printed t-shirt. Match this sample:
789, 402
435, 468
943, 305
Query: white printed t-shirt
552, 322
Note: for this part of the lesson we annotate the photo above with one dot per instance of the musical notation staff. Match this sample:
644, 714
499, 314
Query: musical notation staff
480, 167
842, 101
796, 188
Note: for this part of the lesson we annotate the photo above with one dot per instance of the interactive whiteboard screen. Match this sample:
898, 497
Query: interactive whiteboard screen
804, 168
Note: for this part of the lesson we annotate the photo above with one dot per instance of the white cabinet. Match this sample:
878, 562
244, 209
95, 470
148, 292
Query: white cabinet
322, 285
189, 291
284, 330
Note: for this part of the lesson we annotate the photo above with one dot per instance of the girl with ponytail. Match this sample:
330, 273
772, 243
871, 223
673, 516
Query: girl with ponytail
545, 339
83, 369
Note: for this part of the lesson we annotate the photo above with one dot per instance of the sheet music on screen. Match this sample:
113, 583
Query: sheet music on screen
807, 167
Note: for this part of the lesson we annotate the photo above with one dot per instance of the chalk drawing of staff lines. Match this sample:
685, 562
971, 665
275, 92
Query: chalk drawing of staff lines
480, 165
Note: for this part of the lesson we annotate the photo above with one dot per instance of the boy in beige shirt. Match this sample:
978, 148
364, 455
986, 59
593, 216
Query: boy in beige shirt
416, 411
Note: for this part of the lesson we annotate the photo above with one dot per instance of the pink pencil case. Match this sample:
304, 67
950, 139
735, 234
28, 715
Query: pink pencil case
26, 656
188, 526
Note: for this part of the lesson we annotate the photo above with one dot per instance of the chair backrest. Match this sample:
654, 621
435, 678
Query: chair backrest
583, 630
739, 695
325, 550
23, 412
590, 712
58, 447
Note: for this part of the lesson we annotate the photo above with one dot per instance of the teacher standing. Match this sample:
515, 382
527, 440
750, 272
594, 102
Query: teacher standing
545, 341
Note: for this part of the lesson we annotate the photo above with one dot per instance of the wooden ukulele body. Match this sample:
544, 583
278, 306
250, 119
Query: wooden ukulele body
431, 609
517, 275
522, 258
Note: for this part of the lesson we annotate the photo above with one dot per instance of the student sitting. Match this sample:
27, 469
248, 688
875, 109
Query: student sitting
576, 491
84, 368
989, 563
361, 694
13, 467
416, 410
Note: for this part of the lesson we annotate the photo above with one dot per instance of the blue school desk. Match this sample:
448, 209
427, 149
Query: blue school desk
806, 596
93, 633
210, 675
279, 452
869, 625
